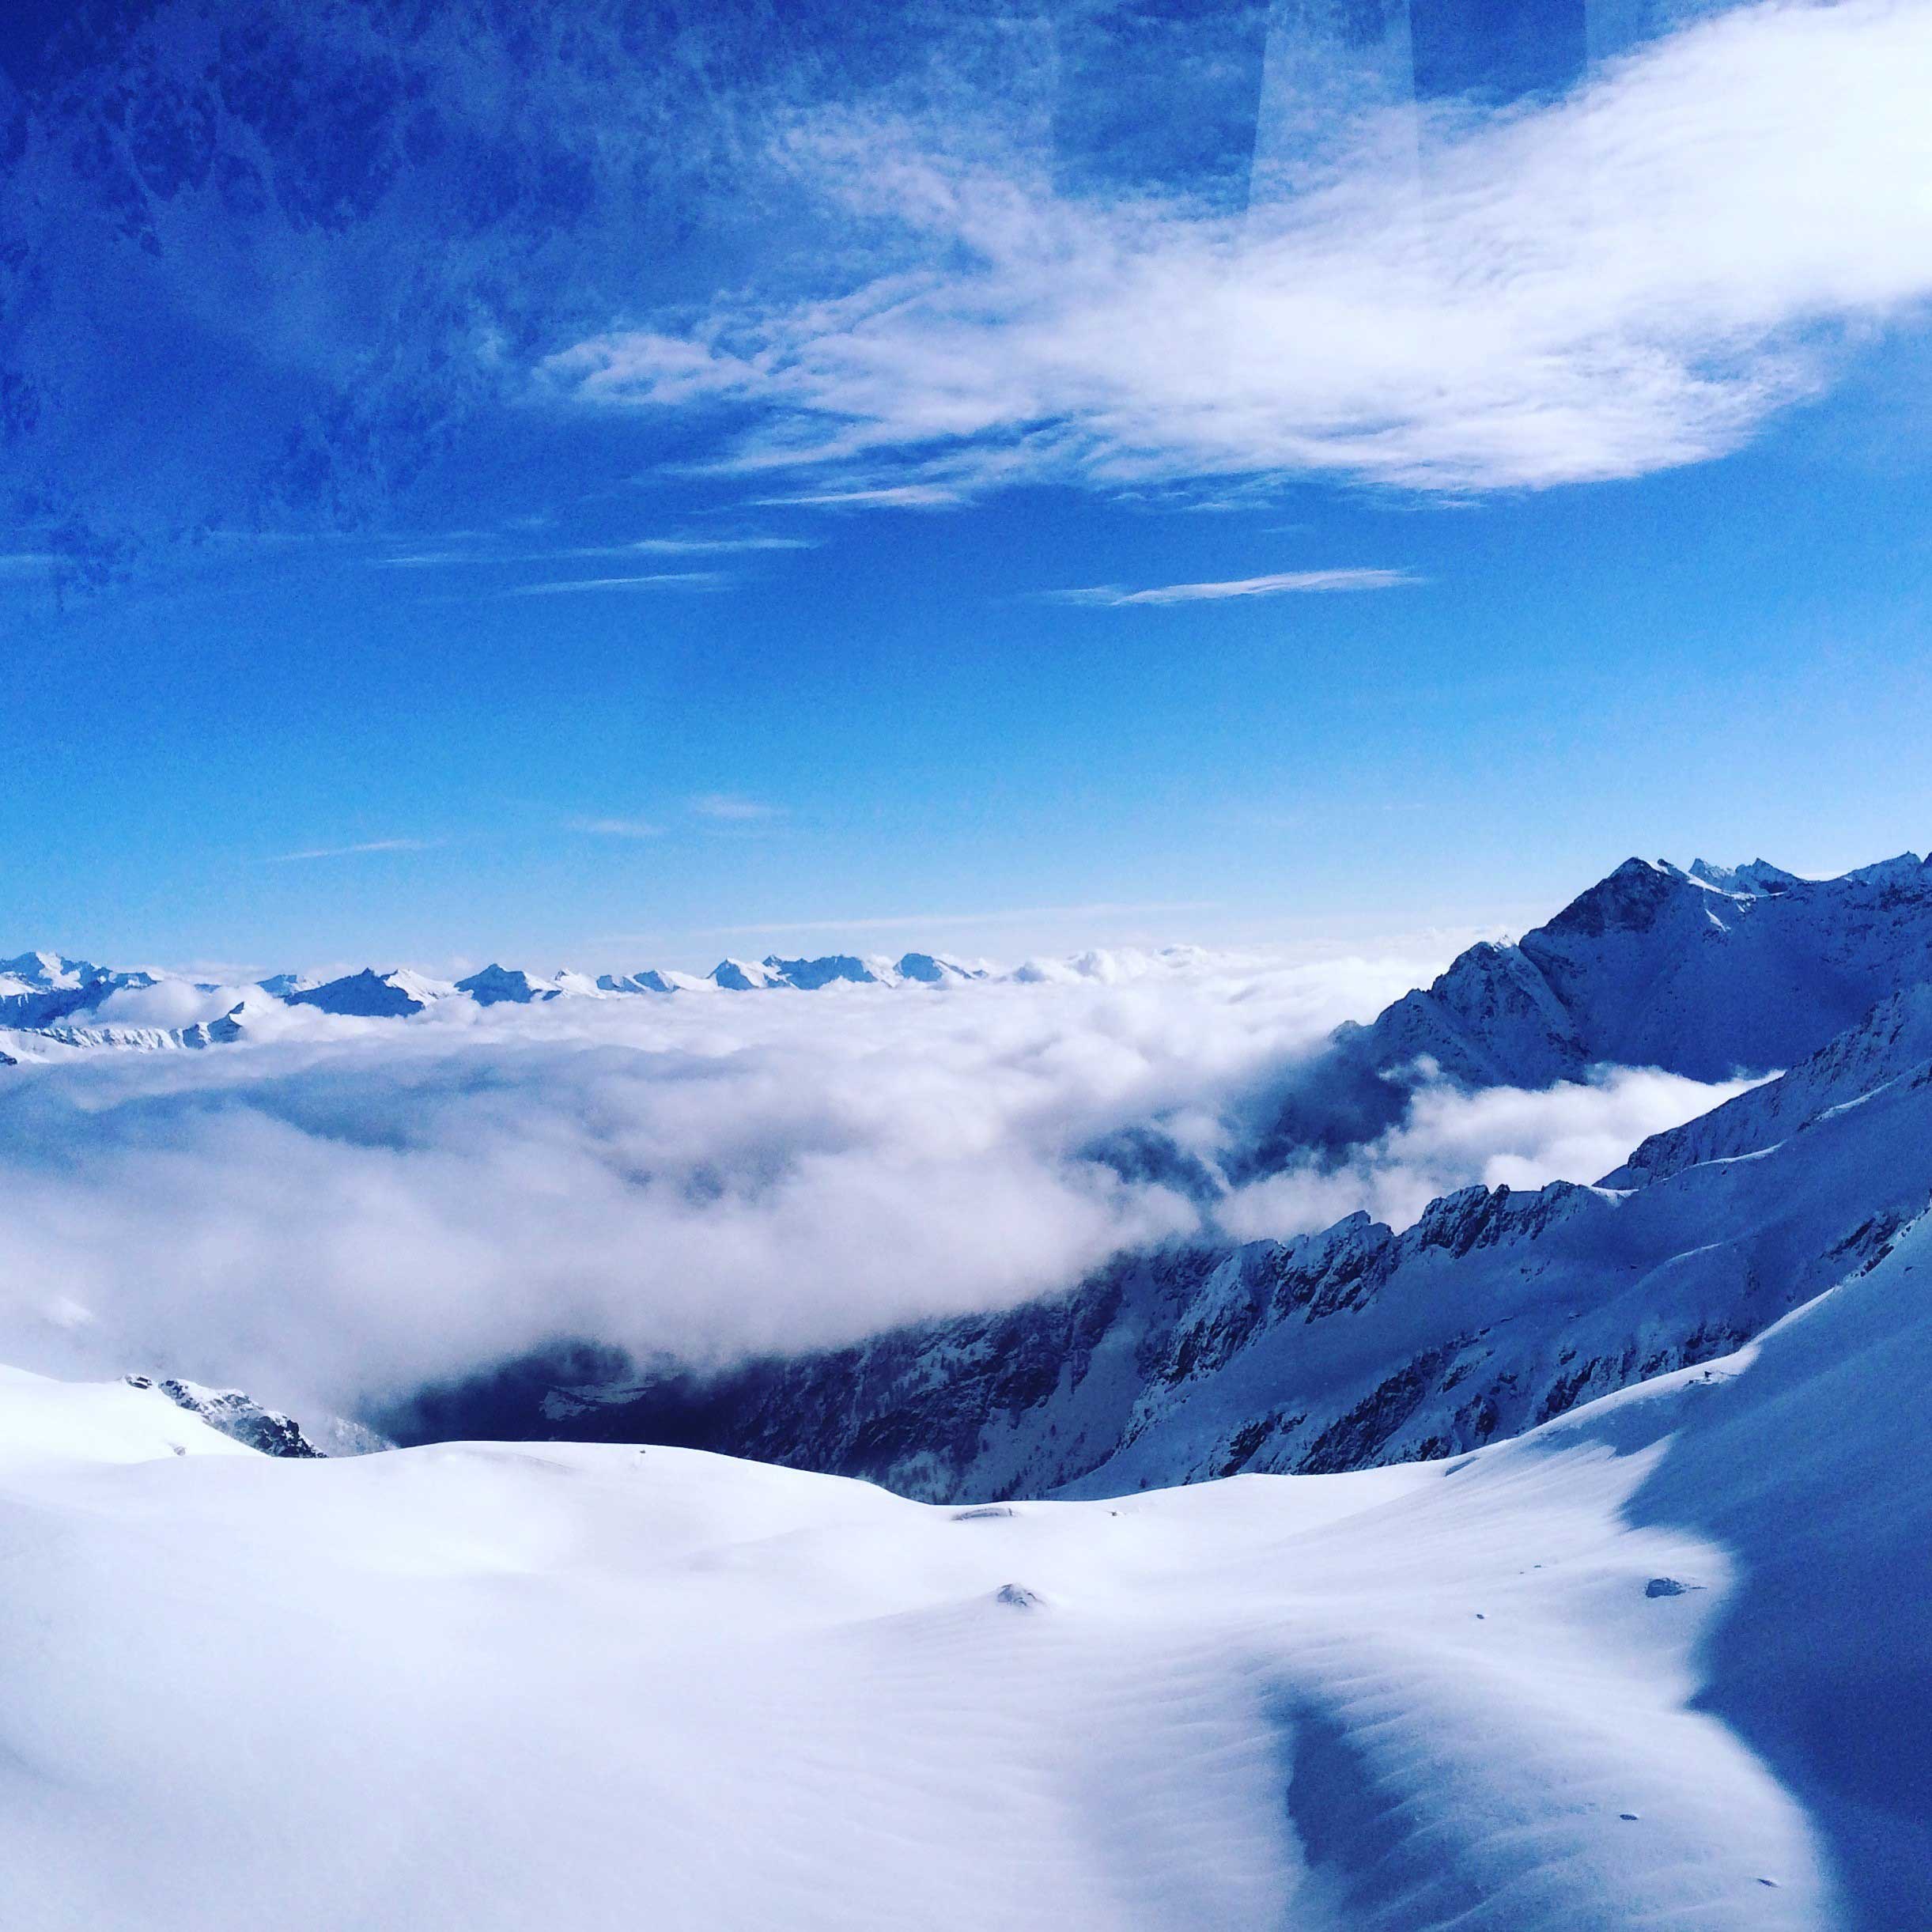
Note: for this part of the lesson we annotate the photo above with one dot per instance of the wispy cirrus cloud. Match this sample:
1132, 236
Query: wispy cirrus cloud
730, 808
366, 847
887, 496
1633, 277
681, 545
1289, 583
653, 580
617, 828
700, 545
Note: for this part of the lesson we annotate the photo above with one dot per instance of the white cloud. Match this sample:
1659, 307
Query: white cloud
656, 580
892, 496
1505, 1137
168, 1003
357, 1205
617, 828
1112, 596
728, 808
1629, 279
352, 851
678, 546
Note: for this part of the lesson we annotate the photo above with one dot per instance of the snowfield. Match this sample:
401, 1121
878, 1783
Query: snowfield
1664, 1661
1667, 1660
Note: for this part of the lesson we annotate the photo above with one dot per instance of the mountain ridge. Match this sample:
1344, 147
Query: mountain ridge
1544, 1008
1497, 1310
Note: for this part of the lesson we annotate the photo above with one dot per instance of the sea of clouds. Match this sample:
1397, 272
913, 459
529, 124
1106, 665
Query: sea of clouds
336, 1215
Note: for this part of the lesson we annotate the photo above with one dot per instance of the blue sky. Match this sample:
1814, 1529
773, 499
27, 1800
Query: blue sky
598, 497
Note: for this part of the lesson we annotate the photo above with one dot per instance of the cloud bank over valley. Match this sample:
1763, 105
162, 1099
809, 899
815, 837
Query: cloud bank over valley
337, 1215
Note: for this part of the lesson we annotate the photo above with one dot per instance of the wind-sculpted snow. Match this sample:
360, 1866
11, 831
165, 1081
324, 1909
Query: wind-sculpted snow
1665, 1660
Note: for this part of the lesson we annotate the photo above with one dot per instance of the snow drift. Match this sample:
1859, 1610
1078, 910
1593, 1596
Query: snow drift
1625, 1669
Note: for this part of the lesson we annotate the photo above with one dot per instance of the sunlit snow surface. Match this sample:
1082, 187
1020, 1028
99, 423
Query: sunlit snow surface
586, 1686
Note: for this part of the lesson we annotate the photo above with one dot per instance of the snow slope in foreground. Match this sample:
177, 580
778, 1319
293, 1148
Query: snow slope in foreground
584, 1686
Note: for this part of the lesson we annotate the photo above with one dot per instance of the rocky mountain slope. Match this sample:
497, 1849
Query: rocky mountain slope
239, 1416
1709, 973
1496, 1311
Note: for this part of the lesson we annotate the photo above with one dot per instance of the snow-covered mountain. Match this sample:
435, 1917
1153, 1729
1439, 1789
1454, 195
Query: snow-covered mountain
370, 995
1495, 1312
1704, 972
40, 988
809, 975
48, 995
1708, 973
497, 985
1572, 1570
1666, 1659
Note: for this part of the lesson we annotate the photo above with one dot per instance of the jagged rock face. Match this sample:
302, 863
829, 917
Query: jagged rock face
236, 1415
809, 975
1760, 879
245, 1420
649, 981
927, 969
1498, 1310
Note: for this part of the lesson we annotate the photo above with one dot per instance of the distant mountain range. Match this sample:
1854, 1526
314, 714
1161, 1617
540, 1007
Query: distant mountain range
1705, 971
67, 1002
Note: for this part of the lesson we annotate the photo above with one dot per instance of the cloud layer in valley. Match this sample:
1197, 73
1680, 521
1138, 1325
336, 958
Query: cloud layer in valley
1506, 1136
338, 1215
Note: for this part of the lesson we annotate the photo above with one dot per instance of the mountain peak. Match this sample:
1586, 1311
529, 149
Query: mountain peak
367, 994
1628, 899
497, 985
1758, 879
810, 974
